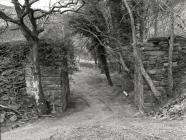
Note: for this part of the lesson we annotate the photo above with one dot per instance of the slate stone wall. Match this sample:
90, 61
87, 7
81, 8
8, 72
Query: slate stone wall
15, 70
155, 59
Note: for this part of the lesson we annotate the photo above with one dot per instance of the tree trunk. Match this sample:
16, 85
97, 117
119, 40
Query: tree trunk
100, 66
123, 62
156, 25
139, 76
95, 57
115, 15
171, 45
142, 22
39, 95
138, 84
102, 57
156, 14
138, 89
65, 82
95, 60
138, 60
93, 54
31, 32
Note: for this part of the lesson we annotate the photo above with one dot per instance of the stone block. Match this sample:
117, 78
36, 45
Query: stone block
156, 53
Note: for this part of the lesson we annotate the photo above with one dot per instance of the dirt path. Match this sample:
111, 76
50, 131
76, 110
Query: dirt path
100, 112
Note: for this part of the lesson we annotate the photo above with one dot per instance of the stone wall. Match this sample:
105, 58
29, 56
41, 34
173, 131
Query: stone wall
11, 69
154, 55
17, 71
155, 59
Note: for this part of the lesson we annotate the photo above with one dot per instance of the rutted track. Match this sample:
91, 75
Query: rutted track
99, 113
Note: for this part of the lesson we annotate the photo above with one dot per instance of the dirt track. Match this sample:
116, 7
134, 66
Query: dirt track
99, 112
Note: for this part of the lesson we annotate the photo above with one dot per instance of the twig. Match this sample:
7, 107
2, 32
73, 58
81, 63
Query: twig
51, 116
6, 108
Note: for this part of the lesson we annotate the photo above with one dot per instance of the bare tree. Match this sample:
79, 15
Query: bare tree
27, 20
138, 85
139, 68
113, 24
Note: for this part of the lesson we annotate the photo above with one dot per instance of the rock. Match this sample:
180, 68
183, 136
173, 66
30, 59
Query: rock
139, 115
156, 53
13, 118
154, 71
174, 64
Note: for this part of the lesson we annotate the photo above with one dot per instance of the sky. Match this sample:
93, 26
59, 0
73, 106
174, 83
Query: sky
43, 4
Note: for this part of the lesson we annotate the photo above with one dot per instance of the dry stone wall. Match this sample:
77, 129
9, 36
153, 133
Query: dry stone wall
154, 55
16, 73
155, 59
11, 69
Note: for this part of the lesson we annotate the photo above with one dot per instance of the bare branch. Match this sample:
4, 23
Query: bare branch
76, 11
7, 18
58, 8
6, 108
18, 8
92, 33
32, 2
